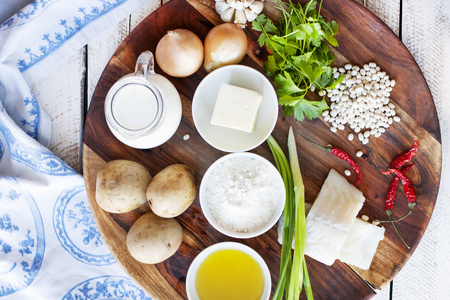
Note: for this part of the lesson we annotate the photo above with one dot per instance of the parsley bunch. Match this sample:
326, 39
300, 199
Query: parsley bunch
301, 58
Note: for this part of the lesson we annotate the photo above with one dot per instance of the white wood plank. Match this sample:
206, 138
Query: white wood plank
60, 94
102, 48
384, 294
141, 14
388, 11
426, 33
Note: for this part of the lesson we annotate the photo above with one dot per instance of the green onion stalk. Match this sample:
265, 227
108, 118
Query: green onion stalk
293, 270
288, 228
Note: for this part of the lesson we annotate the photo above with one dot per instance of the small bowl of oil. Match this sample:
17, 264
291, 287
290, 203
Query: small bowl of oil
228, 270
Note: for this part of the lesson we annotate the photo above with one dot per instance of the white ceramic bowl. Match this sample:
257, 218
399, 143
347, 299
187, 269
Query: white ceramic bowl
193, 268
232, 140
275, 180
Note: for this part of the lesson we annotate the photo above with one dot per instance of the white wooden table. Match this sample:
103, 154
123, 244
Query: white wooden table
422, 25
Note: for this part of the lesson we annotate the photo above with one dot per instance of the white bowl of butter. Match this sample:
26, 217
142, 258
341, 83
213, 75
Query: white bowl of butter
235, 108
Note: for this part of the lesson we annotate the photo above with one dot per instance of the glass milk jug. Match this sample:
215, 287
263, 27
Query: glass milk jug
143, 109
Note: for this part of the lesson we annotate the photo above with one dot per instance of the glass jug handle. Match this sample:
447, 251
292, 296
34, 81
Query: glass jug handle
145, 64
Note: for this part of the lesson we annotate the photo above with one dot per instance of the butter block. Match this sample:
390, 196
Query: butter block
236, 108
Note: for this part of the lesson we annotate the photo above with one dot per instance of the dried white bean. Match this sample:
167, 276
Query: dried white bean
361, 101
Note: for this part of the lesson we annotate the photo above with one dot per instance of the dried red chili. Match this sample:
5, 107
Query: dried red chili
410, 193
408, 187
405, 157
392, 190
397, 163
342, 155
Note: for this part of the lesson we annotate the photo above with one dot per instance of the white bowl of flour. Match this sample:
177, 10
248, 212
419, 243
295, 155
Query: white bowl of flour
242, 195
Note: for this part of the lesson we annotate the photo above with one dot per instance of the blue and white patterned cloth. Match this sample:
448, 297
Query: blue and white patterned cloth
50, 247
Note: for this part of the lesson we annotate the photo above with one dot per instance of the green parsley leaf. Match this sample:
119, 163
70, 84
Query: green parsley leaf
258, 23
300, 57
312, 109
286, 85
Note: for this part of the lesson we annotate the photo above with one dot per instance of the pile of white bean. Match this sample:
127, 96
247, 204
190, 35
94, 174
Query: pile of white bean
361, 101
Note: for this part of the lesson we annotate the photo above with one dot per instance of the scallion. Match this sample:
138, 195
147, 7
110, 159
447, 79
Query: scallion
293, 270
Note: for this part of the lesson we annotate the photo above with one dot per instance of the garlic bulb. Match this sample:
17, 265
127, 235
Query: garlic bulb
239, 11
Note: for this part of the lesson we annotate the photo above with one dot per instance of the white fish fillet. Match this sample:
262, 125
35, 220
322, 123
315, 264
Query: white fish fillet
361, 244
331, 217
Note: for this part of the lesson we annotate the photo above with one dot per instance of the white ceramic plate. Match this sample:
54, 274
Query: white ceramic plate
277, 181
233, 140
192, 271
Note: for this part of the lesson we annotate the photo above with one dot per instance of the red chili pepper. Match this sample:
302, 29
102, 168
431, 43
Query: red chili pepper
408, 187
405, 157
392, 190
409, 191
342, 155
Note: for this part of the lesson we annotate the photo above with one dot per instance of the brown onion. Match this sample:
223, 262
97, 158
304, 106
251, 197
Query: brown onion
179, 53
225, 44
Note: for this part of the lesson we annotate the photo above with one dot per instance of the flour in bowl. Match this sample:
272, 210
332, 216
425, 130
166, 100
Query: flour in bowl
242, 193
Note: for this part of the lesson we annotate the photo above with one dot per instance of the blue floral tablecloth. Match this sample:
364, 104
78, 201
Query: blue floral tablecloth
50, 247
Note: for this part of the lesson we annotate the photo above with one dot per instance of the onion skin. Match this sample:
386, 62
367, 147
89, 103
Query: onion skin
179, 53
225, 44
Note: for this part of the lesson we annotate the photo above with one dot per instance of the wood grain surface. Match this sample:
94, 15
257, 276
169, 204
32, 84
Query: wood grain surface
362, 38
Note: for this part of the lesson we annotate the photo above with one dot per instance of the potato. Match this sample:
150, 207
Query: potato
153, 239
172, 190
121, 186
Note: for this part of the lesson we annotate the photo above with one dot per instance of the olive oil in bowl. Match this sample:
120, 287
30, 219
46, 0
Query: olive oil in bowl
229, 274
228, 270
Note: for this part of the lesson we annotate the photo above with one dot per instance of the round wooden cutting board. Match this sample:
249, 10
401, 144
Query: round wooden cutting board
362, 38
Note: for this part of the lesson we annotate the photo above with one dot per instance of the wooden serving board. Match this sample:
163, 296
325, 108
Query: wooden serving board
362, 38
